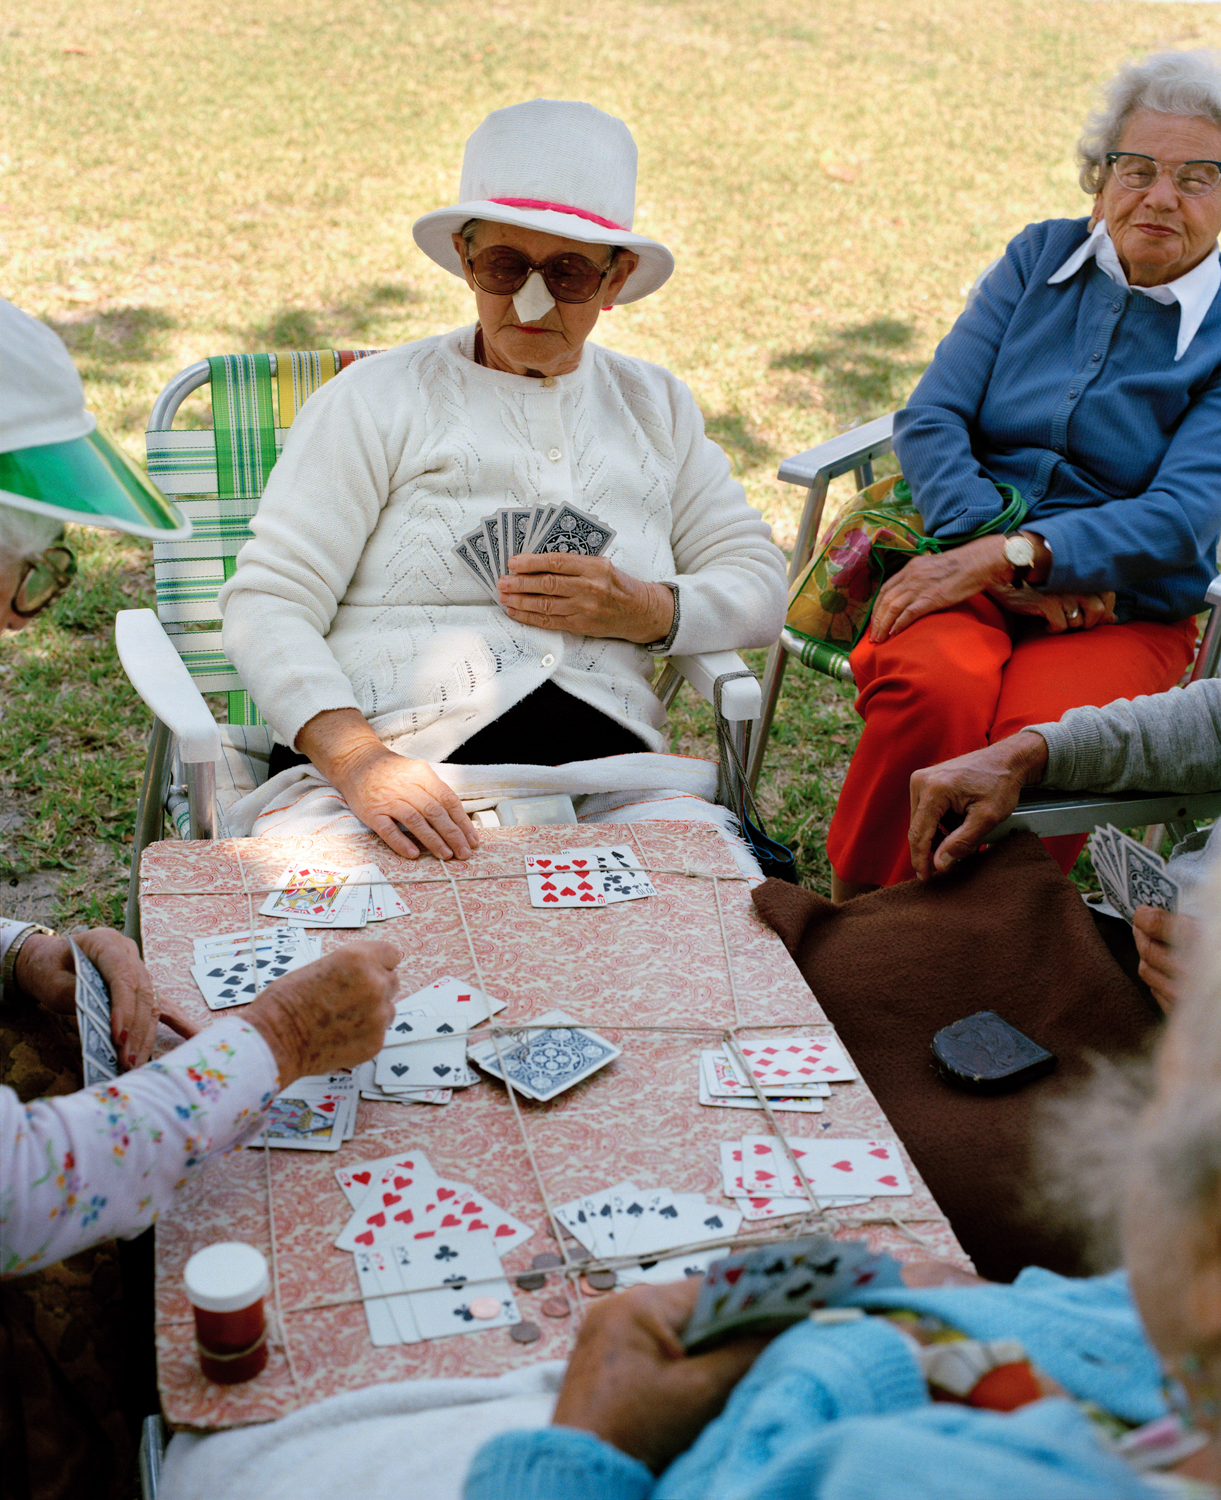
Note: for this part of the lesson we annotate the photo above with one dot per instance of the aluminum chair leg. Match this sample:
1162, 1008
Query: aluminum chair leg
201, 798
149, 818
152, 1455
773, 678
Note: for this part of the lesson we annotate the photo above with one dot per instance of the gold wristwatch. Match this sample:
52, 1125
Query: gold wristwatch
8, 983
1019, 554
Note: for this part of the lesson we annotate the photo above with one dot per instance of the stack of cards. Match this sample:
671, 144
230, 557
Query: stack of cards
312, 896
93, 1022
775, 1286
646, 1223
541, 529
231, 968
758, 1175
427, 1250
1130, 874
549, 1054
424, 1055
722, 1086
601, 875
313, 1114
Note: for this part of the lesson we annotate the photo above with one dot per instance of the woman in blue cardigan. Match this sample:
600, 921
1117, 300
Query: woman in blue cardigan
1122, 1397
1085, 371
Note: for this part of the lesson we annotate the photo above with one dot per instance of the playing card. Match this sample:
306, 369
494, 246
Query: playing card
430, 1056
572, 531
402, 1170
681, 1219
363, 1074
775, 1286
1111, 878
316, 897
668, 1268
101, 1063
302, 1121
466, 555
514, 529
371, 1266
452, 1281
478, 543
622, 879
491, 530
787, 1061
393, 1213
454, 1000
1147, 881
803, 1105
872, 1168
582, 1216
548, 1055
562, 879
540, 518
721, 1078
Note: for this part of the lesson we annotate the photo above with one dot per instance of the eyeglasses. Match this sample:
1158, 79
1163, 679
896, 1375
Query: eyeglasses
44, 578
1138, 173
501, 270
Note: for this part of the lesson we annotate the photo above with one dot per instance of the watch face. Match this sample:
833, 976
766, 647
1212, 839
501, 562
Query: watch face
1019, 551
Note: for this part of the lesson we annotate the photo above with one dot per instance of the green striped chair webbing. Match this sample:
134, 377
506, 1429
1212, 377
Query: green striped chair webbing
217, 476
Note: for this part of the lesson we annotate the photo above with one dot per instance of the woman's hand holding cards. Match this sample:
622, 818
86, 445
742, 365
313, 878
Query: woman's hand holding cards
585, 596
331, 1014
1165, 941
631, 1383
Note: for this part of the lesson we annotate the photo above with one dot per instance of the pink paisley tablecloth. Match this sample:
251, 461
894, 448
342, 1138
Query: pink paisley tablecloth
660, 962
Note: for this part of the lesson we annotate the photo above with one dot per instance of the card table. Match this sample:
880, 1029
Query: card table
663, 978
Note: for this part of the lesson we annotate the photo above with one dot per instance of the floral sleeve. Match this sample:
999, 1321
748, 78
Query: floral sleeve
105, 1161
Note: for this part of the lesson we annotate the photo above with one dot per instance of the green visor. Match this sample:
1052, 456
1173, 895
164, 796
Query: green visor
91, 482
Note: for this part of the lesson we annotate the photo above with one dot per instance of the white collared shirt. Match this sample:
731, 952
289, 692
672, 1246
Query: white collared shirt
1194, 292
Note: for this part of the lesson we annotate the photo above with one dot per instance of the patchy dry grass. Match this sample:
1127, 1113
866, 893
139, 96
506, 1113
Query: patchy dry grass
176, 181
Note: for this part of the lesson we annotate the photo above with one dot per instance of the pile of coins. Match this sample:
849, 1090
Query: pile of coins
593, 1284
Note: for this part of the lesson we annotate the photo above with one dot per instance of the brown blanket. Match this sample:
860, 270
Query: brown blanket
1007, 932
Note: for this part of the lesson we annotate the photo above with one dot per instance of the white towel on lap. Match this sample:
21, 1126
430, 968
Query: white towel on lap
413, 1440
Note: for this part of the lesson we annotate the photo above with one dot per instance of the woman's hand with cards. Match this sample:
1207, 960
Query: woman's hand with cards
331, 1014
46, 972
631, 1383
585, 596
1165, 941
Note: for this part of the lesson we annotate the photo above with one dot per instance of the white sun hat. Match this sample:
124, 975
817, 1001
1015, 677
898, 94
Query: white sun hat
565, 168
53, 459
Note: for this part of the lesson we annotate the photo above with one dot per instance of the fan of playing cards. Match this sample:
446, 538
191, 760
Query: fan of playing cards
310, 896
427, 1250
775, 1286
761, 1179
541, 529
602, 875
646, 1223
423, 1058
1130, 874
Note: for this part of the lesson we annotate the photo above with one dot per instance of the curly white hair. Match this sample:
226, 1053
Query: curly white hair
1172, 83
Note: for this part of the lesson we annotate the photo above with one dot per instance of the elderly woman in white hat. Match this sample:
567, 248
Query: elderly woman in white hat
82, 1168
367, 646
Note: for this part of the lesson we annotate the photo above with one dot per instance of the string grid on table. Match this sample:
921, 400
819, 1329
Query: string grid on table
571, 1270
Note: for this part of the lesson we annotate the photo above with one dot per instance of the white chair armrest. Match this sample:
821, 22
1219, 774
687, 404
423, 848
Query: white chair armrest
740, 699
157, 673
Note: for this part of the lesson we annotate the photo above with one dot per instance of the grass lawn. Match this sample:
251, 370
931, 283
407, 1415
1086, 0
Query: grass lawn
179, 181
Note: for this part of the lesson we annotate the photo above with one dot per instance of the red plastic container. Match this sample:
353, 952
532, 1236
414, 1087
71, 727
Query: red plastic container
226, 1284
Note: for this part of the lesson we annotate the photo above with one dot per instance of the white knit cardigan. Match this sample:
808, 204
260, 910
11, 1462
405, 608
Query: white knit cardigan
349, 596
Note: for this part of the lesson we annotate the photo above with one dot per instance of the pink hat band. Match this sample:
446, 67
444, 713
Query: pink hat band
560, 208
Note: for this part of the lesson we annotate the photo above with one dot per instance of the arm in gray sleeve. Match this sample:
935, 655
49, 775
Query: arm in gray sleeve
1161, 742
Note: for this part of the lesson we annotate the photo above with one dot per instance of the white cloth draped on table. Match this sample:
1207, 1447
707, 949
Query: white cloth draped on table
413, 1440
614, 789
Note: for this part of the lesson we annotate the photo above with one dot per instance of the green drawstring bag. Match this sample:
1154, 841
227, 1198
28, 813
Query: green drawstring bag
880, 529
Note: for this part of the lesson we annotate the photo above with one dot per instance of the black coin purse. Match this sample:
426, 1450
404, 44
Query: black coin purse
988, 1056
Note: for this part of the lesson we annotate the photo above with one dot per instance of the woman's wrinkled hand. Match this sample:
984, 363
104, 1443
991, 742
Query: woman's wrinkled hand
390, 793
1061, 611
631, 1383
47, 973
937, 581
1166, 942
586, 596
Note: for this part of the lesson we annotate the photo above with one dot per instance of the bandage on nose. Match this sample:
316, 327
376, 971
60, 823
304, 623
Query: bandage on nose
534, 301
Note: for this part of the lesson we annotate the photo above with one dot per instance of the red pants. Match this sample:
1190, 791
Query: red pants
964, 678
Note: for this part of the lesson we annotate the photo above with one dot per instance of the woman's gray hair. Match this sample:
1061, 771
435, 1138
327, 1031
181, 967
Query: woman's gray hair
1171, 83
24, 534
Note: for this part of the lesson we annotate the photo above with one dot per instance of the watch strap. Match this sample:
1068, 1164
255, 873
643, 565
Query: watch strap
9, 989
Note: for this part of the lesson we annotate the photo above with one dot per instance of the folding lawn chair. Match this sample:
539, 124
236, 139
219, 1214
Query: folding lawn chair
1044, 813
217, 476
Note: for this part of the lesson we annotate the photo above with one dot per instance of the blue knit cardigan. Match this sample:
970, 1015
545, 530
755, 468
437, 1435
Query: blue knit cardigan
843, 1413
1071, 393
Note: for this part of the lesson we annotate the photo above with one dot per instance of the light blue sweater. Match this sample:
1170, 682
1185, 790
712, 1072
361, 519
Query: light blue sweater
842, 1413
1073, 394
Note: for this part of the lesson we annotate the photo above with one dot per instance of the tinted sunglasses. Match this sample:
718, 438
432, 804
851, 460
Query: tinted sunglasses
501, 270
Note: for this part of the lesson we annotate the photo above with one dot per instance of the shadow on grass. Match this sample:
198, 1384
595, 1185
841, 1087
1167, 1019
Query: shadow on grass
861, 369
745, 448
338, 326
123, 335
